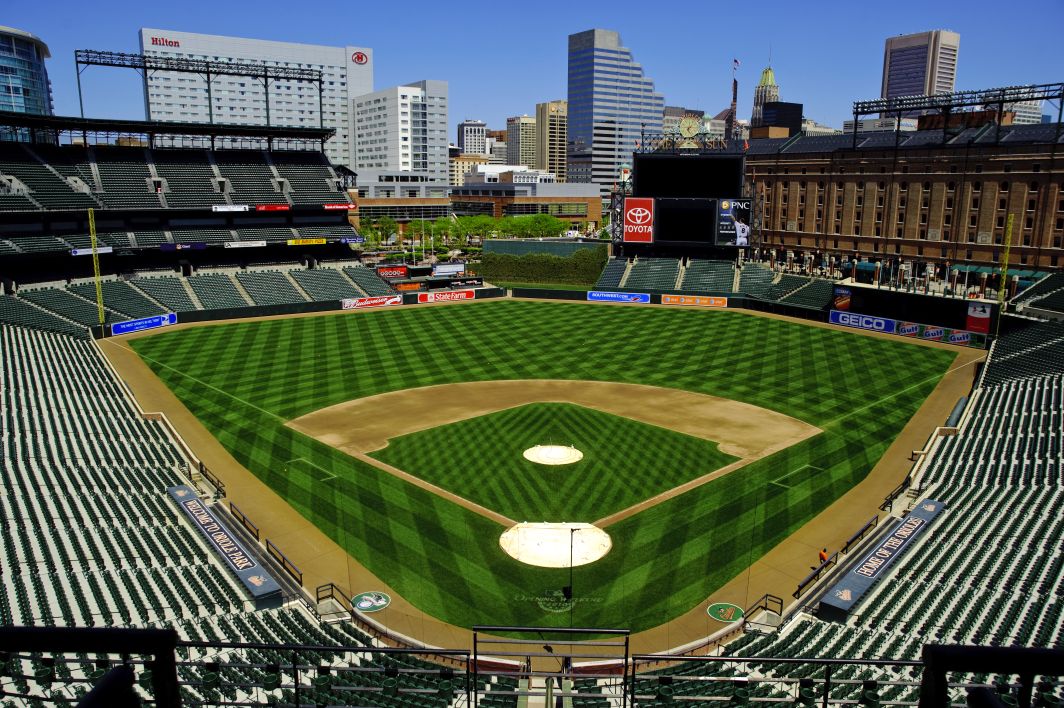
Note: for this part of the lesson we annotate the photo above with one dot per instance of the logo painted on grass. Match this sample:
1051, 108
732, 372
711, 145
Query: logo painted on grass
554, 601
371, 601
725, 612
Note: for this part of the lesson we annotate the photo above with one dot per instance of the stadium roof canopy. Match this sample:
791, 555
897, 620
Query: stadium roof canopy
49, 129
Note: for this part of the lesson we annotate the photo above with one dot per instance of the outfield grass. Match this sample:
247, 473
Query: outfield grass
624, 461
244, 380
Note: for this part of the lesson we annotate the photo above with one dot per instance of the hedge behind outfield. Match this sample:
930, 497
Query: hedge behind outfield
581, 268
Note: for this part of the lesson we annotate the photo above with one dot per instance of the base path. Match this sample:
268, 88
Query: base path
743, 430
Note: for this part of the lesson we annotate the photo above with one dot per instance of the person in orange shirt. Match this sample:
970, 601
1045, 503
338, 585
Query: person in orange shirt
823, 555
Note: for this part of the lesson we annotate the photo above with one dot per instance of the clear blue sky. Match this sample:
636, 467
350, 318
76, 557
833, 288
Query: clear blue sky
502, 57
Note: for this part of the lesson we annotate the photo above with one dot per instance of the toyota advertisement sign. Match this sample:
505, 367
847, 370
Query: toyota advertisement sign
638, 220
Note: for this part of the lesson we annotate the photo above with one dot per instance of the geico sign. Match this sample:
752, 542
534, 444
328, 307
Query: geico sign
863, 321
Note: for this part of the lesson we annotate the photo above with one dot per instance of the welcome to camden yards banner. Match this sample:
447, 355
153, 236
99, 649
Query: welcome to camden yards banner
254, 577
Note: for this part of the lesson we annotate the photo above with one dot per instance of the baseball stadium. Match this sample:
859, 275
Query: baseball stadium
250, 461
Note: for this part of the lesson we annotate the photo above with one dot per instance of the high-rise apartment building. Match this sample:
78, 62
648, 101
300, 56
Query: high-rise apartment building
552, 130
24, 84
403, 129
610, 102
473, 137
920, 64
521, 141
766, 91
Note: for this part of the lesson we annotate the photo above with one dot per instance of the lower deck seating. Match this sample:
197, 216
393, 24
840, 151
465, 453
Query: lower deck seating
709, 276
70, 306
653, 274
120, 297
15, 311
368, 280
612, 273
755, 279
167, 291
269, 288
217, 291
325, 284
817, 294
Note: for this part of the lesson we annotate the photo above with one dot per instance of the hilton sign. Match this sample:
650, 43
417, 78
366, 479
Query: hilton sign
164, 42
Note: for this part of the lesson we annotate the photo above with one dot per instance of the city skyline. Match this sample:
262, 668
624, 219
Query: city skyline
826, 60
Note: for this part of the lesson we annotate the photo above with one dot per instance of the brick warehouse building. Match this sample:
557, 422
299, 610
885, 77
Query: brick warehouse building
925, 195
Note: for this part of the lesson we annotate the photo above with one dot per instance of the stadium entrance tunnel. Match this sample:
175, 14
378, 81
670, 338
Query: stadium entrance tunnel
555, 545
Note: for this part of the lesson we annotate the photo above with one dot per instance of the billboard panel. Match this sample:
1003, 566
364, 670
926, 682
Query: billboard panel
600, 296
699, 300
733, 222
685, 221
392, 271
978, 317
143, 323
359, 303
448, 269
446, 296
638, 220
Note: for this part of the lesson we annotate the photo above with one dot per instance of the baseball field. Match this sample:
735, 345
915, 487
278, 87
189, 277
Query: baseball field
707, 438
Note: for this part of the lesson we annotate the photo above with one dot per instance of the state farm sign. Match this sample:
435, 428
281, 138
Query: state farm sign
164, 42
639, 220
449, 296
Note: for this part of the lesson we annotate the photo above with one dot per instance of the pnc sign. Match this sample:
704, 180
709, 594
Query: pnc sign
359, 57
164, 42
638, 220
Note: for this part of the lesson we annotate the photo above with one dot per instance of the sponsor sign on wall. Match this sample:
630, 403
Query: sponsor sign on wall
392, 271
230, 207
88, 251
978, 317
359, 303
853, 319
856, 582
306, 241
143, 323
446, 296
251, 573
639, 220
338, 207
842, 299
272, 207
448, 269
599, 296
407, 287
244, 244
699, 300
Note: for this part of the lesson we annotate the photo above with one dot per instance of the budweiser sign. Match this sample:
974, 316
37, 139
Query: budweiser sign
638, 220
359, 303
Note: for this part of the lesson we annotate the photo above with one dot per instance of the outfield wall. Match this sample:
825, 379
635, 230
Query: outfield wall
296, 308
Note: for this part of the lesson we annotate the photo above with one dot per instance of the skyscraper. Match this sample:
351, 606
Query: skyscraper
24, 84
920, 64
766, 91
346, 72
403, 129
552, 130
473, 137
610, 101
521, 141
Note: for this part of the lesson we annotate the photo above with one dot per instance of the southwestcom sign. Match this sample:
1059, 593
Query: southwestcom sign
874, 324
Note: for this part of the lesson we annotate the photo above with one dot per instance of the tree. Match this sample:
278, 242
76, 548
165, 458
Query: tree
386, 226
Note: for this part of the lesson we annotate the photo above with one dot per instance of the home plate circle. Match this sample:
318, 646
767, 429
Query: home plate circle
551, 545
553, 454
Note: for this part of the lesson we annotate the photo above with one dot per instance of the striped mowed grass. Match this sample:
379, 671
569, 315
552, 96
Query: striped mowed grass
245, 380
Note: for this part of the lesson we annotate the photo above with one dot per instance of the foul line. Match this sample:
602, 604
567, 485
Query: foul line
330, 476
199, 381
793, 472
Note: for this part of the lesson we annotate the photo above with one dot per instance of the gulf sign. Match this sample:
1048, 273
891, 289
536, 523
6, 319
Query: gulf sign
638, 220
874, 324
697, 300
360, 303
446, 296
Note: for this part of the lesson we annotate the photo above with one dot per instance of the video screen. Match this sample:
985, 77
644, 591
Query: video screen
687, 176
685, 220
733, 222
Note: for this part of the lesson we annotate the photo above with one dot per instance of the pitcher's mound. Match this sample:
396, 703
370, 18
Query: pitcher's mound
548, 545
553, 455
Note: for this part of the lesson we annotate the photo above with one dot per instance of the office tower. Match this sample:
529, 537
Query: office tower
521, 141
552, 123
